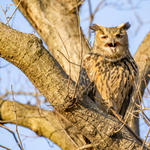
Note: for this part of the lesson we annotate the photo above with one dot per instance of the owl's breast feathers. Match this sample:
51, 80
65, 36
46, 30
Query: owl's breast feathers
115, 81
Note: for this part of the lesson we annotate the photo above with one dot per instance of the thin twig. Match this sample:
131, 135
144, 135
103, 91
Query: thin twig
137, 18
88, 87
5, 65
20, 134
13, 12
3, 12
93, 14
85, 146
145, 116
99, 99
134, 100
38, 102
5, 147
65, 130
145, 138
146, 85
141, 99
67, 59
137, 93
19, 93
91, 18
119, 118
48, 142
97, 8
15, 112
12, 132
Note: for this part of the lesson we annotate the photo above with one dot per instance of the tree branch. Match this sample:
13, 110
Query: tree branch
142, 58
26, 52
59, 14
46, 125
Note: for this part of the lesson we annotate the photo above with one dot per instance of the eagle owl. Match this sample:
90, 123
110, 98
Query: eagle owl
111, 68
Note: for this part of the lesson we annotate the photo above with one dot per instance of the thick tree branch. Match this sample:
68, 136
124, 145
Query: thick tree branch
27, 53
45, 125
60, 15
142, 58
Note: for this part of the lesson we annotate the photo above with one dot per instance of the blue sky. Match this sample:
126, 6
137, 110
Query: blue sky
112, 13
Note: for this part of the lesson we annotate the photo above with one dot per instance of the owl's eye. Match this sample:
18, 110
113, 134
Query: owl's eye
119, 36
104, 36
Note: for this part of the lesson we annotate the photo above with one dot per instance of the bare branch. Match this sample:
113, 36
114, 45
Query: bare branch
19, 93
13, 12
5, 147
145, 138
4, 12
38, 102
84, 115
12, 134
15, 112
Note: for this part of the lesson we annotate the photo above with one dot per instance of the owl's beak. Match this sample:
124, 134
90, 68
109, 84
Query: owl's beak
113, 42
112, 45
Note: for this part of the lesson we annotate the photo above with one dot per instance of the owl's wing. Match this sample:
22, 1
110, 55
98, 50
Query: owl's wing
114, 82
134, 73
126, 103
86, 85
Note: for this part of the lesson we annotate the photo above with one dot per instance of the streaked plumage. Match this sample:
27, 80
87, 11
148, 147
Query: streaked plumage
111, 67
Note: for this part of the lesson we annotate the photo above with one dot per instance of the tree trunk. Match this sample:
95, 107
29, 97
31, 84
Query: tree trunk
62, 19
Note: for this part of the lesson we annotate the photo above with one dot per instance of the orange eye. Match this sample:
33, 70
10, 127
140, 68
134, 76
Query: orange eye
104, 36
119, 35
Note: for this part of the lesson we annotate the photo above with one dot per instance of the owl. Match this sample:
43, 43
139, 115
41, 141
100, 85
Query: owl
111, 68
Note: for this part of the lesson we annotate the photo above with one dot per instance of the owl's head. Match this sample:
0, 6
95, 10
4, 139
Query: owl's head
111, 42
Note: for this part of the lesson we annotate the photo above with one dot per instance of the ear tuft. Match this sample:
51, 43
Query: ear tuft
95, 27
124, 26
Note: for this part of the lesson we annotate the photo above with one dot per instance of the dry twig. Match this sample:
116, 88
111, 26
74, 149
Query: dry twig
85, 146
119, 118
12, 132
4, 13
65, 130
13, 12
93, 14
38, 102
15, 112
145, 138
5, 147
19, 93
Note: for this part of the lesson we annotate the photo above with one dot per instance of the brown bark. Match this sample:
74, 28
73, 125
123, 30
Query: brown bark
59, 14
142, 58
46, 124
26, 52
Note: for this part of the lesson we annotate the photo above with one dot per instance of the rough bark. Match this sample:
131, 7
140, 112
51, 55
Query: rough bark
59, 14
45, 124
142, 58
26, 52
